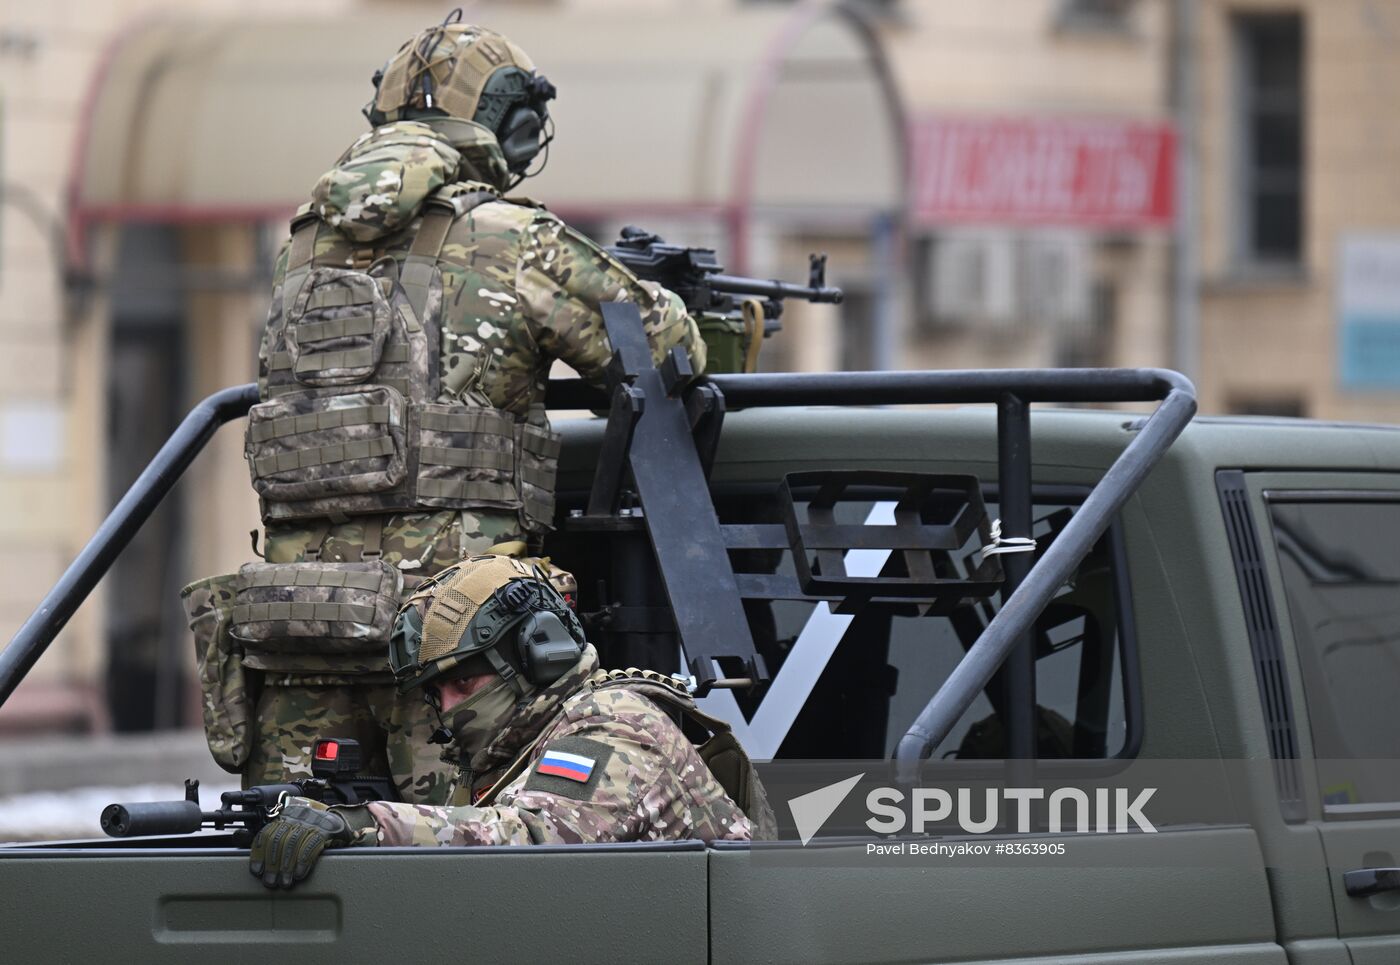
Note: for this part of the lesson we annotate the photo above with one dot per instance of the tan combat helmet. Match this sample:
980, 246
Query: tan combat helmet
488, 613
471, 73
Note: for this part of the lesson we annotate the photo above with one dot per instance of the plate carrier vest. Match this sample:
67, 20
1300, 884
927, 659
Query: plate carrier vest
351, 421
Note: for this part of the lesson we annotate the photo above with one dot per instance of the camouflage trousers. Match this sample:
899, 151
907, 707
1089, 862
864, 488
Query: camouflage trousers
320, 699
392, 728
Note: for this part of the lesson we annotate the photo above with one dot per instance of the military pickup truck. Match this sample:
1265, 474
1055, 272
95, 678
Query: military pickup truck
1210, 591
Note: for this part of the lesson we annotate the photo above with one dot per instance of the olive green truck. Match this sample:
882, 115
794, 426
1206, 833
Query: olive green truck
1240, 601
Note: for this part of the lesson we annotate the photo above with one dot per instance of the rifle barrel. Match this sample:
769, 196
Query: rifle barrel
735, 285
151, 817
266, 795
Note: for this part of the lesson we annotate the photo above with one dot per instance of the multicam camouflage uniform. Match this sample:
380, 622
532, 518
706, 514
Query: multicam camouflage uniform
520, 289
223, 681
646, 782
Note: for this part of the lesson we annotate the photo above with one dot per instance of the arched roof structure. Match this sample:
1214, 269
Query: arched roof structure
722, 112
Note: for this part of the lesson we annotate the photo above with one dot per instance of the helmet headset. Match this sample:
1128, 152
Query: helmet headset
524, 630
512, 102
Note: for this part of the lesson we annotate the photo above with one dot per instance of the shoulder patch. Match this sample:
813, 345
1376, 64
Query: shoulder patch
570, 767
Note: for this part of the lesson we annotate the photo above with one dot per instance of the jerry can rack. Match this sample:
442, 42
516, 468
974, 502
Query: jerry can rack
659, 444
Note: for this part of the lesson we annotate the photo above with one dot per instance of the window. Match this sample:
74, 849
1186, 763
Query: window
1095, 16
1278, 406
1341, 577
886, 666
1090, 345
1269, 103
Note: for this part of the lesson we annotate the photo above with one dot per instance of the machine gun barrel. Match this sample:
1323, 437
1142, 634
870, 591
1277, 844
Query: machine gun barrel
696, 276
736, 285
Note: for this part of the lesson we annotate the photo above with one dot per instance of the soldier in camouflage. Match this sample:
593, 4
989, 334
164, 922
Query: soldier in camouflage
548, 748
458, 114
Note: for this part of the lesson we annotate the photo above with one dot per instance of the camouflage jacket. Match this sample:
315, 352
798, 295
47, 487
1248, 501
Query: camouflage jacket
597, 765
520, 288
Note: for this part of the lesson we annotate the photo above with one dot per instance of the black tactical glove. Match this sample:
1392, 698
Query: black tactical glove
286, 847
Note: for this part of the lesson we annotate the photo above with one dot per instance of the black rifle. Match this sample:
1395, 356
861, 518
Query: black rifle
699, 280
335, 765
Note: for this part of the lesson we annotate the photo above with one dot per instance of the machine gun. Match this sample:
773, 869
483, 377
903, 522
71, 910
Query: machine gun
726, 306
335, 766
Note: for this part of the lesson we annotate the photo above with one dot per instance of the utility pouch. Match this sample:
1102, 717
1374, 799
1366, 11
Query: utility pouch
324, 452
336, 328
224, 682
466, 457
537, 464
319, 610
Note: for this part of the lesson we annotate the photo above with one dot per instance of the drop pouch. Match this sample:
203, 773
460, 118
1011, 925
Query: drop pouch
331, 617
227, 688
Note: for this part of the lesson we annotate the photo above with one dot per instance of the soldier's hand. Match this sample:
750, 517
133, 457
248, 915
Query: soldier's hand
286, 847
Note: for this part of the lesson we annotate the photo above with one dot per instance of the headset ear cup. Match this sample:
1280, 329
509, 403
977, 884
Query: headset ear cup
547, 649
520, 137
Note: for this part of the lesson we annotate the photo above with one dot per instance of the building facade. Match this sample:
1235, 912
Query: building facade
1209, 185
1299, 208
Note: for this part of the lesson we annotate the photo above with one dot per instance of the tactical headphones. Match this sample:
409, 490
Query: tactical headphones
548, 638
546, 648
514, 105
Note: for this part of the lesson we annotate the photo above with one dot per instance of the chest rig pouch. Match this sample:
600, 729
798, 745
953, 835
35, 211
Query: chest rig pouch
352, 423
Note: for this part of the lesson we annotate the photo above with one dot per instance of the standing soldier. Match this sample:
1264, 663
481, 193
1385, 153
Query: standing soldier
415, 314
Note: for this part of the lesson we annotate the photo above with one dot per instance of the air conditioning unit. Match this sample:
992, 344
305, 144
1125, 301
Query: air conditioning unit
970, 281
1054, 281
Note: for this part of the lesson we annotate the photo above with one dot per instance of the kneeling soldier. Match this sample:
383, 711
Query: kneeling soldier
548, 748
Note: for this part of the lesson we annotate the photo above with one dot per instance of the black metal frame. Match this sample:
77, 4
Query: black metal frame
819, 544
1071, 495
654, 412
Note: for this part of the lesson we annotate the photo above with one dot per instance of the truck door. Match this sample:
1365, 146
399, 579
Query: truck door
1336, 545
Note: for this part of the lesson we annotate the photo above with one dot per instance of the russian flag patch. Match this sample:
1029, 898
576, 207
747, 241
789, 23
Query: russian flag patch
570, 766
573, 767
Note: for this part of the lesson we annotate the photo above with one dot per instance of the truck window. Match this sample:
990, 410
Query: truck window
885, 667
1341, 577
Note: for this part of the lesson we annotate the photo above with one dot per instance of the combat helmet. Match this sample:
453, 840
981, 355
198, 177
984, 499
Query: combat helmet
488, 613
469, 72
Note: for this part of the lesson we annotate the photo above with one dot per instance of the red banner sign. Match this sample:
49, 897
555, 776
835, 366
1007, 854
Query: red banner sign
1103, 173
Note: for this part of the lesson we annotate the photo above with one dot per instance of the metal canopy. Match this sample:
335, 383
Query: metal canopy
706, 111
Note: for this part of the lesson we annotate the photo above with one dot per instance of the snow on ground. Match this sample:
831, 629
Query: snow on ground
74, 814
